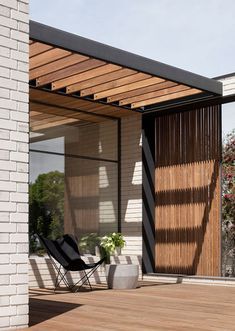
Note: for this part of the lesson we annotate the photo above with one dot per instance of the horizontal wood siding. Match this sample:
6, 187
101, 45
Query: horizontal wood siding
187, 187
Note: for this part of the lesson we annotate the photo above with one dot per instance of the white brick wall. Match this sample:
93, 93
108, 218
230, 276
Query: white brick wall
14, 119
43, 274
228, 84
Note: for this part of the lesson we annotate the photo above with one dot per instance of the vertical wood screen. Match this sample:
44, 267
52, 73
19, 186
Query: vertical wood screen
81, 206
187, 189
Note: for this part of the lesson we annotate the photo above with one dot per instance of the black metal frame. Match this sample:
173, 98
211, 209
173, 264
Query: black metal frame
188, 103
118, 161
148, 193
72, 42
61, 276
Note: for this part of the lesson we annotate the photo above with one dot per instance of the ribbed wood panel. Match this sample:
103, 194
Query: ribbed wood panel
81, 207
187, 187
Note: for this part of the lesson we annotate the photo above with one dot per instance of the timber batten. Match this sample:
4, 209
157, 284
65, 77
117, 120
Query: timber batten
91, 70
187, 188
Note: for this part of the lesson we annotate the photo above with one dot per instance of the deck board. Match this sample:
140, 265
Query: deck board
173, 307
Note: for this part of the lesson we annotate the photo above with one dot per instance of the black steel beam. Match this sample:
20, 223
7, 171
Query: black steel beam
83, 157
148, 193
72, 42
119, 150
184, 104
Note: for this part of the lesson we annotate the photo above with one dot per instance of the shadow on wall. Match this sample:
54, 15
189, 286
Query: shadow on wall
42, 273
131, 169
187, 194
91, 193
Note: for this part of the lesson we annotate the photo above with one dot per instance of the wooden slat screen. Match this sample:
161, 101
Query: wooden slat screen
187, 188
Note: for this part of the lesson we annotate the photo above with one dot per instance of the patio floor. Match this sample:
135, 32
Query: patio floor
153, 306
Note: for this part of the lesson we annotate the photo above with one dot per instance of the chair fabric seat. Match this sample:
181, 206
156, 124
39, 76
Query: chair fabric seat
65, 251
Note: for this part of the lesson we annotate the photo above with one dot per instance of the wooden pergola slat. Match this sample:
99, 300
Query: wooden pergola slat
63, 74
154, 94
47, 57
128, 87
99, 80
38, 48
122, 96
114, 84
56, 65
101, 70
167, 97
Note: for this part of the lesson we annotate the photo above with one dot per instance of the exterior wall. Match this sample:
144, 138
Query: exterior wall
228, 84
43, 274
131, 184
14, 163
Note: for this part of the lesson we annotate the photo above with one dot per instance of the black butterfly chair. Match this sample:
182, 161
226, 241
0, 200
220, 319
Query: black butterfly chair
65, 251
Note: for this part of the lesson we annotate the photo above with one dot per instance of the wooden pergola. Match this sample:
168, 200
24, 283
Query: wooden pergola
85, 75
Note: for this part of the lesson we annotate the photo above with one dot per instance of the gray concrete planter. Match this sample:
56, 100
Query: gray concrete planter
122, 276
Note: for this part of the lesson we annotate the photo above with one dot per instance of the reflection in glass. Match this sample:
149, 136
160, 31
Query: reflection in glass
73, 178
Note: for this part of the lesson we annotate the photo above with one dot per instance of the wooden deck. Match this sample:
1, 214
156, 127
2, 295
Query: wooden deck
173, 307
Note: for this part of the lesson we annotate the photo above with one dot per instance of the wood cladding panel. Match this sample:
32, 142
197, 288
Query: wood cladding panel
81, 207
187, 188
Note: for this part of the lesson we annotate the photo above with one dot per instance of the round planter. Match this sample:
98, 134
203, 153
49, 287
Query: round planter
122, 276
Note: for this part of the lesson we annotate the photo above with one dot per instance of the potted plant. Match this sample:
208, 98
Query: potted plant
112, 244
89, 244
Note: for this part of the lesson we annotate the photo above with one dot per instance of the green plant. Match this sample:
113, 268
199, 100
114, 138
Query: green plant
228, 204
88, 243
110, 242
46, 207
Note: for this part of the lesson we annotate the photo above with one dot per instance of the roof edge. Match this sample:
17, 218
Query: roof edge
73, 42
221, 77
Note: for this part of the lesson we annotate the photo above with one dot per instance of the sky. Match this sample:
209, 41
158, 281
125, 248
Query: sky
195, 35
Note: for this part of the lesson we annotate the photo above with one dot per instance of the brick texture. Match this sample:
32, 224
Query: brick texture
14, 138
228, 84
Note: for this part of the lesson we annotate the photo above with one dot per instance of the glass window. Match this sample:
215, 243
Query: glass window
73, 178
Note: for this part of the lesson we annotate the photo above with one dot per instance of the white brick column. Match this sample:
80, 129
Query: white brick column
14, 137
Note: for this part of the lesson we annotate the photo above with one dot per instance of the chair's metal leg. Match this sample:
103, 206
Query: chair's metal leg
85, 278
88, 280
59, 274
57, 278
